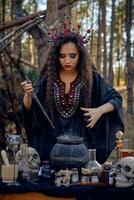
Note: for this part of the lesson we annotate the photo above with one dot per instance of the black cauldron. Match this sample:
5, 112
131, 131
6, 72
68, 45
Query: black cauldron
69, 152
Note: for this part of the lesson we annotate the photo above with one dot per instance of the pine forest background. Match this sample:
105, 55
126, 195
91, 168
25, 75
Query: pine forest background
23, 35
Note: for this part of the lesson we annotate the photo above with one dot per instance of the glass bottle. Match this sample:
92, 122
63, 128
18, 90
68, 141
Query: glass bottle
94, 166
92, 163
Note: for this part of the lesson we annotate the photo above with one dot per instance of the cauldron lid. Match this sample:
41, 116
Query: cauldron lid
69, 139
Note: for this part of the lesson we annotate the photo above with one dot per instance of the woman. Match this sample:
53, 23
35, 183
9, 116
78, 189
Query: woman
76, 98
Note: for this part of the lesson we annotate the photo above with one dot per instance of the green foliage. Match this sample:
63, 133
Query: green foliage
32, 74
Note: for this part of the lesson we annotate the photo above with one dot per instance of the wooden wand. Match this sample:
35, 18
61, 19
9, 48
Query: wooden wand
24, 77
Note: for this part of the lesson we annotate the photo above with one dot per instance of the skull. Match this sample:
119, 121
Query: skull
33, 159
125, 172
31, 156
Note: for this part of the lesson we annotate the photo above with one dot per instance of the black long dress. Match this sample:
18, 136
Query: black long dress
42, 136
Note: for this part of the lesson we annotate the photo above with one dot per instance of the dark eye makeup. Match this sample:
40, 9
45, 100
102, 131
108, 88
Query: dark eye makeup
62, 55
71, 55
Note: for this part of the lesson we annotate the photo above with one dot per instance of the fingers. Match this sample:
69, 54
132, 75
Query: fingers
91, 116
27, 86
88, 111
26, 82
84, 109
88, 117
91, 122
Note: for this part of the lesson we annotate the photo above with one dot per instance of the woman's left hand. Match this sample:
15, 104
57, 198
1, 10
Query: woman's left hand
92, 115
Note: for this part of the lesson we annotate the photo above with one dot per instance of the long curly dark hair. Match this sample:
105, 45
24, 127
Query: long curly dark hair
51, 70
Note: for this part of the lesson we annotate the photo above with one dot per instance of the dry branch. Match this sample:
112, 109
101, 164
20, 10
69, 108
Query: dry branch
17, 29
20, 20
30, 17
30, 25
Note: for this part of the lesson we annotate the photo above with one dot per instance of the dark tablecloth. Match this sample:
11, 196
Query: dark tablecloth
81, 192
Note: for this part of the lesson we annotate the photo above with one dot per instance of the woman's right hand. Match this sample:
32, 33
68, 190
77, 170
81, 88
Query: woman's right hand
27, 87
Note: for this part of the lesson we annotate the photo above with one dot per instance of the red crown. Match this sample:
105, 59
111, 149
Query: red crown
54, 35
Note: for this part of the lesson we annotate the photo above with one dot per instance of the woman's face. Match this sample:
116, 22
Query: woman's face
69, 56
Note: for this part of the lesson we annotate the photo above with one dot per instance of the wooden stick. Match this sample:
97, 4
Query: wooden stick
20, 69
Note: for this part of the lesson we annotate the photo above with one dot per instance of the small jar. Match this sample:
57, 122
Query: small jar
112, 175
85, 175
105, 173
85, 178
111, 178
74, 175
45, 169
94, 177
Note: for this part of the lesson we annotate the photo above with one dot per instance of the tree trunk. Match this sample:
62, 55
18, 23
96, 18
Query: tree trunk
111, 74
98, 62
40, 37
16, 14
2, 100
118, 75
129, 60
103, 5
16, 48
92, 38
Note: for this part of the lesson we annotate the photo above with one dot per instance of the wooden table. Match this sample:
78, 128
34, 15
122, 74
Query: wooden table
31, 196
28, 191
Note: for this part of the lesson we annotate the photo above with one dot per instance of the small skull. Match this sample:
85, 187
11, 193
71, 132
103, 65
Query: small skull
125, 172
32, 157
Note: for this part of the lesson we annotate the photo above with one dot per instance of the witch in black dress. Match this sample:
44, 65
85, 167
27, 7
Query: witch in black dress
76, 98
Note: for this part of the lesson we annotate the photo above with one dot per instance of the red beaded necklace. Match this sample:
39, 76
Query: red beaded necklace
67, 103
